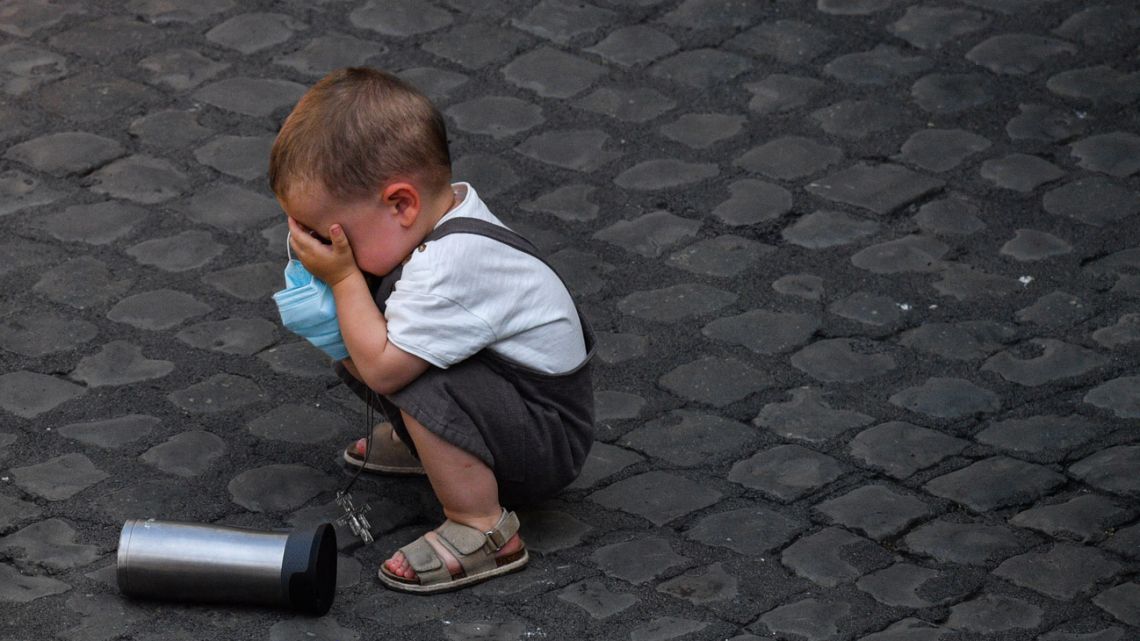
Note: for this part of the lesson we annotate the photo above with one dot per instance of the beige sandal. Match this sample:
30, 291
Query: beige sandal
387, 455
474, 550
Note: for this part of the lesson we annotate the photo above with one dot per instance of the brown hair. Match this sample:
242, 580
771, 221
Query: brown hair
356, 129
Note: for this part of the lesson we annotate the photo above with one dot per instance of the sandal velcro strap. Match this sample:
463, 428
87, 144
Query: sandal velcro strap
498, 536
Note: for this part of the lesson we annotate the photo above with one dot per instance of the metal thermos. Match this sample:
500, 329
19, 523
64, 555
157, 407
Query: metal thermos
192, 562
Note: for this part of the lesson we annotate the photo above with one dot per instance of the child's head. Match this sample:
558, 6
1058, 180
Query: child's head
354, 131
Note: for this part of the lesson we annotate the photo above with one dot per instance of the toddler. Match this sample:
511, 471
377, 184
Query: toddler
448, 321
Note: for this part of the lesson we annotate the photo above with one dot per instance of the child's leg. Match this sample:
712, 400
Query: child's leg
466, 488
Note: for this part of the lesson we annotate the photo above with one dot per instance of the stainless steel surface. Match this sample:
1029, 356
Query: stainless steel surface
186, 561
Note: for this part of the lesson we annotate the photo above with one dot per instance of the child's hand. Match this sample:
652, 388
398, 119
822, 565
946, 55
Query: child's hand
330, 263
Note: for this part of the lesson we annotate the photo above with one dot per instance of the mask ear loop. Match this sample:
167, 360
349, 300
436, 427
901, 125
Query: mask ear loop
289, 244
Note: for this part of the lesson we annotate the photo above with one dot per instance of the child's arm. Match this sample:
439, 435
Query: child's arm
380, 364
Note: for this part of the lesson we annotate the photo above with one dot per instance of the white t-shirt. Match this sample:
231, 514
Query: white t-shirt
466, 292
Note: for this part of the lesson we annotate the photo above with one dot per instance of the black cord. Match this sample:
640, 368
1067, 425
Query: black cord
369, 424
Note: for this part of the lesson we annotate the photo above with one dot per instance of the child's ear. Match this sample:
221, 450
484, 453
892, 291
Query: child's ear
403, 199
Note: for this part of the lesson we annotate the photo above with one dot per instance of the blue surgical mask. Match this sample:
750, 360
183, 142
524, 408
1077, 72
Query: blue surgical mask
308, 309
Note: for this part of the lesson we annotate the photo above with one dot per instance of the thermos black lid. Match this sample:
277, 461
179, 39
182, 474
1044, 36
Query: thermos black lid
308, 571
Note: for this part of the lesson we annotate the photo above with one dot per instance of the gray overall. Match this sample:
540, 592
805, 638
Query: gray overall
531, 428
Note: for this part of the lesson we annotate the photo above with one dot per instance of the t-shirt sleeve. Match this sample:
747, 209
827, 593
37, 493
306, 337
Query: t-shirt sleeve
435, 328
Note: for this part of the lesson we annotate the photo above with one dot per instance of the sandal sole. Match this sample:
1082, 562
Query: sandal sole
354, 462
403, 585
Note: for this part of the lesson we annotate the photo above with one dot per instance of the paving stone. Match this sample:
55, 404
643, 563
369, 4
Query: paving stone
764, 332
952, 93
399, 18
1020, 172
59, 478
23, 68
614, 349
28, 394
164, 499
812, 619
561, 21
610, 405
298, 359
105, 38
665, 628
779, 93
1124, 332
833, 556
295, 423
245, 336
715, 381
1115, 154
722, 256
996, 482
102, 617
1096, 84
551, 73
1063, 572
949, 217
879, 66
570, 203
1098, 25
81, 283
219, 393
580, 150
657, 496
701, 131
637, 560
181, 69
251, 96
596, 599
880, 188
944, 397
111, 433
139, 178
901, 449
806, 286
187, 454
14, 123
649, 235
70, 152
188, 250
808, 417
664, 173
710, 14
786, 472
909, 629
170, 129
877, 511
1042, 122
941, 149
1058, 360
14, 512
18, 588
628, 105
675, 303
703, 586
1010, 6
853, 7
172, 12
1122, 602
36, 334
992, 614
26, 18
603, 461
903, 585
790, 158
1032, 245
963, 543
701, 68
1086, 518
496, 116
752, 202
550, 531
843, 360
787, 41
868, 308
1018, 54
473, 46
583, 273
90, 97
324, 54
277, 487
965, 282
244, 157
157, 310
251, 32
19, 191
859, 119
1055, 309
913, 253
95, 223
688, 438
1111, 469
1041, 438
119, 363
323, 629
49, 544
633, 46
1107, 634
229, 207
753, 531
929, 27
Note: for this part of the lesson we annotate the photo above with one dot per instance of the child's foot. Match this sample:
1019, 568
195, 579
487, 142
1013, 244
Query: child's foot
388, 455
399, 565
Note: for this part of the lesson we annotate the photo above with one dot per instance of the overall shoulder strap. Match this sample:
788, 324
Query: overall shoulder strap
465, 225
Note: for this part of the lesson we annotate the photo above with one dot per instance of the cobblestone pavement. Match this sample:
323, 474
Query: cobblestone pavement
865, 274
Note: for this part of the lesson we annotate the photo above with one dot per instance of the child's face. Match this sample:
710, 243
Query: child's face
378, 241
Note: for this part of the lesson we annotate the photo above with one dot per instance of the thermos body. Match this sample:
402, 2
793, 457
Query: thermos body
194, 562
